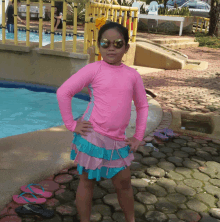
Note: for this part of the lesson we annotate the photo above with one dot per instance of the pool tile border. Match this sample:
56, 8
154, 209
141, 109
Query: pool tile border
39, 88
48, 32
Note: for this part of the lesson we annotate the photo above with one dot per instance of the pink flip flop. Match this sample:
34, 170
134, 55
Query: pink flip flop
25, 200
30, 189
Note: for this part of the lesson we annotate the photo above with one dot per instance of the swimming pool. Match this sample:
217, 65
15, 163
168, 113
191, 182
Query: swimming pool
34, 37
28, 107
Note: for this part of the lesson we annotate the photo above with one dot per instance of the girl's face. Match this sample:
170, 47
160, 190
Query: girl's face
113, 55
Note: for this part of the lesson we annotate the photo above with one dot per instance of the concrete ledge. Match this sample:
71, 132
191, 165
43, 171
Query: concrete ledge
152, 56
196, 64
180, 54
61, 53
15, 48
41, 66
182, 45
214, 121
174, 40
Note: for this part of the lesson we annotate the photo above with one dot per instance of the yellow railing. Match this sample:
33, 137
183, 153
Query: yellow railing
204, 21
15, 22
28, 23
3, 22
41, 24
75, 27
52, 25
108, 9
111, 12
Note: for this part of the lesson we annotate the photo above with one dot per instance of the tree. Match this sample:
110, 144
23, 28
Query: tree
165, 3
80, 8
214, 17
125, 3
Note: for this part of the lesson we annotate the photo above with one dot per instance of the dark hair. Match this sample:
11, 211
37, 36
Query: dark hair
113, 25
17, 1
58, 11
59, 6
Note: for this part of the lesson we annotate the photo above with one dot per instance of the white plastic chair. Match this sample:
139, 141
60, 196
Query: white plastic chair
153, 8
136, 4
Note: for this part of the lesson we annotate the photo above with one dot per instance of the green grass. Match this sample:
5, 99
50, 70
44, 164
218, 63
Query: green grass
206, 40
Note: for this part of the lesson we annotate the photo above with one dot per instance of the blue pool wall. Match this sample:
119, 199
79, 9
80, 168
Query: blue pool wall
39, 88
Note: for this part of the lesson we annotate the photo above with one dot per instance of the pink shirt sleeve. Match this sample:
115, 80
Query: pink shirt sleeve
69, 88
142, 106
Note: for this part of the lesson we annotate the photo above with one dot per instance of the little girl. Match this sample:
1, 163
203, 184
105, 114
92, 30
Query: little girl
100, 146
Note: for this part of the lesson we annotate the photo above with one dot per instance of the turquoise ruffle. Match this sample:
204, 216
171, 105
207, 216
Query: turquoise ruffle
97, 174
98, 152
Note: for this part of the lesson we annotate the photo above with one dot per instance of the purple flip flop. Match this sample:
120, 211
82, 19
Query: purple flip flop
161, 136
168, 132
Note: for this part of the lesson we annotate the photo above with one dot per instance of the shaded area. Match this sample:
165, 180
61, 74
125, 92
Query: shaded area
202, 127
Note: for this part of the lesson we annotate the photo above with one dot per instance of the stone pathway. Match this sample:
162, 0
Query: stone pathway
189, 90
174, 181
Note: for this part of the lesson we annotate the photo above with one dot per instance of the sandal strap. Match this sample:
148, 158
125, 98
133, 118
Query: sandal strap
33, 184
27, 193
27, 199
28, 208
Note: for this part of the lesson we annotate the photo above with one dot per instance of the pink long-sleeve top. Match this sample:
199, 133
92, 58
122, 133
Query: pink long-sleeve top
111, 89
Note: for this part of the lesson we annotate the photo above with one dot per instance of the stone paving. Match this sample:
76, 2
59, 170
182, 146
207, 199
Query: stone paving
174, 181
189, 90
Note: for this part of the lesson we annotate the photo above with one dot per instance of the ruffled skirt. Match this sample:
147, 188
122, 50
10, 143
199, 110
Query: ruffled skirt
99, 155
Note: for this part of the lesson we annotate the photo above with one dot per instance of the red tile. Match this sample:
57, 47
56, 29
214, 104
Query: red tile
11, 219
73, 172
52, 202
63, 171
63, 178
49, 185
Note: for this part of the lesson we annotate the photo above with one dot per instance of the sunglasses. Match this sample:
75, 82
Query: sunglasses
118, 43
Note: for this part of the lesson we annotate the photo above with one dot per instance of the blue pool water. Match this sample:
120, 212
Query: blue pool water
34, 37
24, 111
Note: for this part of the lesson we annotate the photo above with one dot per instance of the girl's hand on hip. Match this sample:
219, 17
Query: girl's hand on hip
82, 127
133, 143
